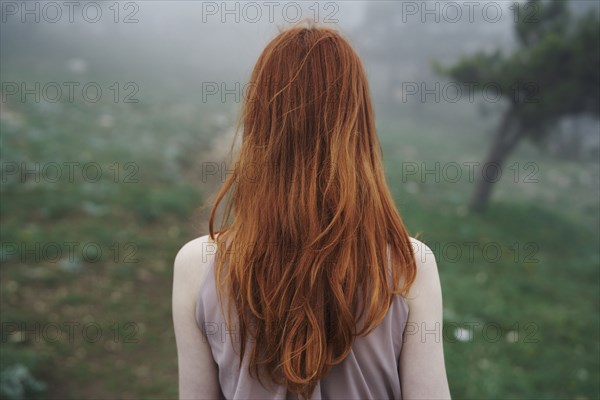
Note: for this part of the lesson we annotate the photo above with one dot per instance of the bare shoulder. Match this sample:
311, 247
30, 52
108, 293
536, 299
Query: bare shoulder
424, 256
427, 281
193, 260
198, 373
422, 366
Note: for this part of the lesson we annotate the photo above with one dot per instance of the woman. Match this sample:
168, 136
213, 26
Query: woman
311, 288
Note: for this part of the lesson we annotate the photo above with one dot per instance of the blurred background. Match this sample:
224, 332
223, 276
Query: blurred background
116, 119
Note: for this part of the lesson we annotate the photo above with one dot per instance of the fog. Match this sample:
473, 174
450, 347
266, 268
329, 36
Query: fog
116, 121
177, 45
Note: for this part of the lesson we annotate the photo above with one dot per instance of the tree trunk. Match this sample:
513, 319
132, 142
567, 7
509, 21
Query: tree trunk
505, 140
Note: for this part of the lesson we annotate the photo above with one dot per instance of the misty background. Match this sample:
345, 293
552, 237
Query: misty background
519, 275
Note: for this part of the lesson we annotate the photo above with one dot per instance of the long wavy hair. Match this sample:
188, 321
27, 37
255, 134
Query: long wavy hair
311, 249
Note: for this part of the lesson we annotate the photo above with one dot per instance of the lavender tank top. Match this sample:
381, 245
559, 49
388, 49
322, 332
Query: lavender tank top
370, 371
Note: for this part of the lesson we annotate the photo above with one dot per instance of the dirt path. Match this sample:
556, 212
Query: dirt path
209, 172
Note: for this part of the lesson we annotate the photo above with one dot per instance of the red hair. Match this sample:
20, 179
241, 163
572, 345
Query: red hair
311, 250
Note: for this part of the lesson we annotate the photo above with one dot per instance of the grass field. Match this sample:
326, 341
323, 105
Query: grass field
520, 282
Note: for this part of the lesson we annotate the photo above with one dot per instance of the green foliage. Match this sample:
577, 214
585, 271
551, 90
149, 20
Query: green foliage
554, 73
536, 19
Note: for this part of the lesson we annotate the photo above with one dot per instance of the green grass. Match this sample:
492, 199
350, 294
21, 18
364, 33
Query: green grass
540, 294
137, 214
537, 302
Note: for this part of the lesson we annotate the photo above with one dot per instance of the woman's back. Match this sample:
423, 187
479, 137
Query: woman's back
370, 371
311, 261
